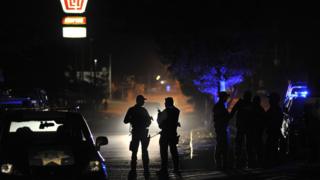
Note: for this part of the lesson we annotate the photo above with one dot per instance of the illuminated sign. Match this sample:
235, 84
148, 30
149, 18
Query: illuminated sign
74, 32
74, 6
74, 20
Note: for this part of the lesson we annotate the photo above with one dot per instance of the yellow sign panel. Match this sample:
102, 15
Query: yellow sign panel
74, 20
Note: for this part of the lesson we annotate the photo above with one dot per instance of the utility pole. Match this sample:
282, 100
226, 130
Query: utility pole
95, 72
110, 76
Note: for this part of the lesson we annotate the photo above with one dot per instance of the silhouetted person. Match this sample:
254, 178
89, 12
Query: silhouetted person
140, 120
274, 118
255, 134
312, 120
243, 108
168, 121
221, 118
296, 139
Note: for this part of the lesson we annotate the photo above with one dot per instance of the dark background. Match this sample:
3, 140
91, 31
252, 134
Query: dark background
33, 52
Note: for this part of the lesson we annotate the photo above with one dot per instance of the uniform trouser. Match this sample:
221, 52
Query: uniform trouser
258, 147
314, 146
221, 154
241, 138
136, 139
164, 143
254, 148
272, 145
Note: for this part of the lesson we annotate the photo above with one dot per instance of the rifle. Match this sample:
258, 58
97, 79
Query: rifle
155, 134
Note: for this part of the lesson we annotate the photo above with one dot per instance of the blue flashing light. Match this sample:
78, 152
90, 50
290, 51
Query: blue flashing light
222, 85
298, 94
104, 168
16, 102
302, 94
168, 88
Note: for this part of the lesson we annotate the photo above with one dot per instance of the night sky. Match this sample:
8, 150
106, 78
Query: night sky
34, 52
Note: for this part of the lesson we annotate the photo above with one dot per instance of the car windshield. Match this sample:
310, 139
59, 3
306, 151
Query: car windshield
35, 126
45, 141
37, 131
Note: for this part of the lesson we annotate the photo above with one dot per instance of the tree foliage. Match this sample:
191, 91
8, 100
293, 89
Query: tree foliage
200, 61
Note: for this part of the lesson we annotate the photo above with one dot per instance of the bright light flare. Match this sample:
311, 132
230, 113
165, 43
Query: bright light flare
168, 88
191, 144
222, 85
122, 143
7, 168
158, 77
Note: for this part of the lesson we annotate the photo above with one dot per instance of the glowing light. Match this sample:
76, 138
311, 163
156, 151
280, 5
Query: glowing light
222, 85
168, 88
74, 6
191, 144
74, 32
16, 102
296, 91
7, 168
303, 94
158, 77
162, 82
74, 20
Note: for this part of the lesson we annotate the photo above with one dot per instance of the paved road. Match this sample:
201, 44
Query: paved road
196, 160
200, 167
117, 152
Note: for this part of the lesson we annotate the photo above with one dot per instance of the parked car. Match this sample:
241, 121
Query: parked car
293, 126
49, 145
23, 98
202, 141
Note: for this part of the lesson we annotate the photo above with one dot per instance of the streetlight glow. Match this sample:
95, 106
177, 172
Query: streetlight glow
158, 77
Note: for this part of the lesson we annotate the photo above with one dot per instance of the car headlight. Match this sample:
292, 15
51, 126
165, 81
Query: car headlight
94, 166
7, 168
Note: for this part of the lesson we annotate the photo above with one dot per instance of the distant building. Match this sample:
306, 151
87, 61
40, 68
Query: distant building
99, 77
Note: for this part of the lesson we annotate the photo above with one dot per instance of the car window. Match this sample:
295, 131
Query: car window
53, 130
35, 126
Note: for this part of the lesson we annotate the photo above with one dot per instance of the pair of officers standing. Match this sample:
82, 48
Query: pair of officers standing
140, 120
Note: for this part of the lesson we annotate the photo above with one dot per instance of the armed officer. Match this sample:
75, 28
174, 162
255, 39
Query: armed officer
140, 120
274, 117
168, 121
243, 108
221, 118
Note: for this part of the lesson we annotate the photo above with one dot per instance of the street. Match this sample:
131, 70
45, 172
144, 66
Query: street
194, 164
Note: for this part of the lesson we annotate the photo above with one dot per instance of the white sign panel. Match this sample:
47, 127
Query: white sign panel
74, 32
